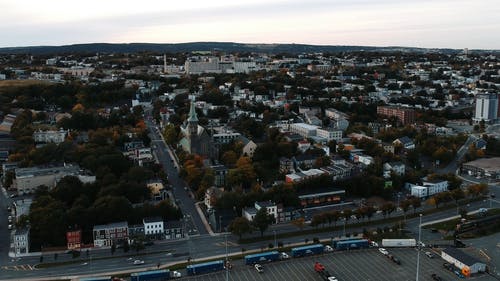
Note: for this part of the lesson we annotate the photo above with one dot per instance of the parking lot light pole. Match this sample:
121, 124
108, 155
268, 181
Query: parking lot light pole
227, 261
418, 245
345, 221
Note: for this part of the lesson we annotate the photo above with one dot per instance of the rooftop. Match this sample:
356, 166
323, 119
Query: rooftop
488, 164
461, 256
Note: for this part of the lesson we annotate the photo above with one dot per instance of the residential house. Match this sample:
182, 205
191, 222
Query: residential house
249, 213
270, 207
286, 165
50, 136
74, 239
397, 167
174, 230
304, 161
306, 174
404, 142
248, 146
286, 214
22, 240
153, 226
428, 188
220, 174
108, 234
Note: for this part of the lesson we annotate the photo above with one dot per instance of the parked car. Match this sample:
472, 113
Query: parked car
284, 255
259, 268
10, 226
383, 251
328, 248
373, 244
429, 254
138, 262
176, 274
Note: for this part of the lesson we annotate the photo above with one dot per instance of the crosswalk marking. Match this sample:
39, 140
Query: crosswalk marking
19, 267
223, 244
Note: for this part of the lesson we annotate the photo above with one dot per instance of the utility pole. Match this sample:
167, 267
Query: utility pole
227, 261
418, 245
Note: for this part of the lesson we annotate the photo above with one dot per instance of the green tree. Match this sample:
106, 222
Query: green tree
239, 226
262, 220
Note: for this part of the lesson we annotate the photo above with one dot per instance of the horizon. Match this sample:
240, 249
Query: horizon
242, 43
442, 24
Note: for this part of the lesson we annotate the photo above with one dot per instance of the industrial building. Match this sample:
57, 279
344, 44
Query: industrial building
467, 264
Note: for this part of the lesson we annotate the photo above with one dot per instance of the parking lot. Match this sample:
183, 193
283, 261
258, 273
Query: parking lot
356, 265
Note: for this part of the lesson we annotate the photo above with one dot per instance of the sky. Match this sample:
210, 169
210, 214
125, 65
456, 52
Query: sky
473, 24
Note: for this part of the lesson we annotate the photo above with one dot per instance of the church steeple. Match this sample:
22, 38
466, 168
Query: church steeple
192, 120
193, 117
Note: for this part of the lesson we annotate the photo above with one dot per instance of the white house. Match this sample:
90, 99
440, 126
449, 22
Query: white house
271, 208
249, 213
428, 188
153, 226
397, 167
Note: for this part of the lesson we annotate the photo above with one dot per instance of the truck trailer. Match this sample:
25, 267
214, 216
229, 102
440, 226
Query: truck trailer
153, 275
352, 244
206, 267
308, 250
399, 243
262, 257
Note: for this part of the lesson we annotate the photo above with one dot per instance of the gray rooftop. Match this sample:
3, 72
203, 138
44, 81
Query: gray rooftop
461, 256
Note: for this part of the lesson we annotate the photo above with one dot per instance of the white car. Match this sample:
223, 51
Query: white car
332, 278
373, 244
259, 268
328, 248
284, 255
383, 251
137, 262
10, 226
176, 274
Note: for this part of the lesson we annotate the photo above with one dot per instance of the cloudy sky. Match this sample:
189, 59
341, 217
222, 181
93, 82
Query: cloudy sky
420, 23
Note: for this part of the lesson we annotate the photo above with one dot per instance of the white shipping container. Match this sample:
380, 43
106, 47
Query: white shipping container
399, 243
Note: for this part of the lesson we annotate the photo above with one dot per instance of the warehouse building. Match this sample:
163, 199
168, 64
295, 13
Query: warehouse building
467, 264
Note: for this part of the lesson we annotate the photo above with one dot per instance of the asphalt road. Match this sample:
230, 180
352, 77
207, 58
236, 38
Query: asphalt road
4, 231
184, 199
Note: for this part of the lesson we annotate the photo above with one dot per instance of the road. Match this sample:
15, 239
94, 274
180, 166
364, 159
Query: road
453, 165
5, 201
197, 247
184, 198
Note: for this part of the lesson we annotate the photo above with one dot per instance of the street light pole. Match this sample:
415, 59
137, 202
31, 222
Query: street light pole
275, 245
345, 220
418, 245
227, 262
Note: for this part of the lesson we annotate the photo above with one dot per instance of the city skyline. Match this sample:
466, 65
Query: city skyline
428, 24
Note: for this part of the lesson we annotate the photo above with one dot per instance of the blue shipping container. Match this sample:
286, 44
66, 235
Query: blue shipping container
335, 241
308, 250
154, 275
206, 267
262, 257
352, 244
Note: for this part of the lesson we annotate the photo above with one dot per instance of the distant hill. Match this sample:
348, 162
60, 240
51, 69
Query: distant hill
205, 46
